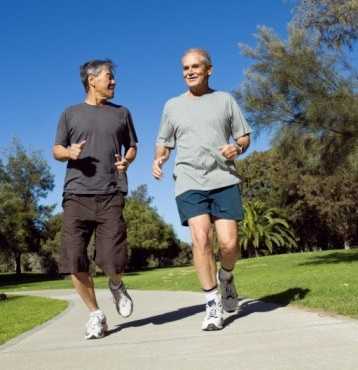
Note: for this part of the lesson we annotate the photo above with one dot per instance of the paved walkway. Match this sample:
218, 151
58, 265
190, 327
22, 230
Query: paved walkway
164, 333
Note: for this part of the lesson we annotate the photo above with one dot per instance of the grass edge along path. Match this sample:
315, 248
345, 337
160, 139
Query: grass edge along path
19, 314
325, 281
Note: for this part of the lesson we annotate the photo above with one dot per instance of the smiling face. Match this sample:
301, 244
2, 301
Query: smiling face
103, 84
196, 71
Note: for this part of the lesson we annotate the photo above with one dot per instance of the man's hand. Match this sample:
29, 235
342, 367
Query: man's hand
75, 150
157, 167
120, 164
231, 151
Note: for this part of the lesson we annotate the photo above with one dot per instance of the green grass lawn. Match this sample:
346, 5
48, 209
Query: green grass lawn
320, 280
19, 314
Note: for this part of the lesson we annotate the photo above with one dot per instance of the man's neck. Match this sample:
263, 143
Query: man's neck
92, 99
199, 91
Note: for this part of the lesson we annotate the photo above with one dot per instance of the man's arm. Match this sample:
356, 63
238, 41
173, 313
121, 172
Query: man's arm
73, 151
123, 163
130, 154
243, 142
162, 154
231, 151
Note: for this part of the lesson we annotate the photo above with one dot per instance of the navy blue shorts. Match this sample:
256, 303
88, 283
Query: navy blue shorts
223, 203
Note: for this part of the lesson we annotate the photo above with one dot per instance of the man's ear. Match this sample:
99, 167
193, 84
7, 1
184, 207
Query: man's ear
91, 80
210, 70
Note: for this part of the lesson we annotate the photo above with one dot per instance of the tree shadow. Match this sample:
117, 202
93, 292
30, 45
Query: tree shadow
267, 303
334, 257
10, 280
247, 307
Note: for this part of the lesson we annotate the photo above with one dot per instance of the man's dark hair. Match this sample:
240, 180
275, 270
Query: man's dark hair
94, 67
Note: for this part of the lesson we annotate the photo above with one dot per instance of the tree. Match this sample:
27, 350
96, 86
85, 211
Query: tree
334, 21
321, 208
264, 230
300, 87
26, 179
151, 241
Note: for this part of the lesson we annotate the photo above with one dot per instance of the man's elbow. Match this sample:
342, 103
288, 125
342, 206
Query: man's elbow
54, 153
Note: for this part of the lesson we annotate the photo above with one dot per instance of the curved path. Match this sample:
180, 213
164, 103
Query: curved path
164, 333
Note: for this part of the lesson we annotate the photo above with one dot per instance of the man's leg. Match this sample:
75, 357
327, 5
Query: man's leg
204, 262
227, 232
203, 257
76, 233
111, 249
83, 283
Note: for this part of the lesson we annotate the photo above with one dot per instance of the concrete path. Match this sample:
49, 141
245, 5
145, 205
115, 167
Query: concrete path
164, 333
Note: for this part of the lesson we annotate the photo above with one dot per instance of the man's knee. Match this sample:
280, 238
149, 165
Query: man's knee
201, 240
228, 246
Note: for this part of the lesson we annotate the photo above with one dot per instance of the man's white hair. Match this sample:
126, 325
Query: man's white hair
201, 52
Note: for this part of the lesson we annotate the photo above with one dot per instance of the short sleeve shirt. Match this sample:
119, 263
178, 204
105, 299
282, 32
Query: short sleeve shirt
197, 127
108, 130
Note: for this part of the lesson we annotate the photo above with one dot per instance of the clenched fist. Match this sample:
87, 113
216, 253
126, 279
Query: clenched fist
74, 151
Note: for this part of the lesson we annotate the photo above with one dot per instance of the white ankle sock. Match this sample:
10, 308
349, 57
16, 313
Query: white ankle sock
225, 275
212, 295
97, 312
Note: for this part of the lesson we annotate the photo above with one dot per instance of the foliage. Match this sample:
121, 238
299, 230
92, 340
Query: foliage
322, 208
301, 88
264, 230
334, 21
25, 179
151, 241
51, 245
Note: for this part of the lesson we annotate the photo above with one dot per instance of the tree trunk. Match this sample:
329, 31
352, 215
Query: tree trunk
347, 244
18, 263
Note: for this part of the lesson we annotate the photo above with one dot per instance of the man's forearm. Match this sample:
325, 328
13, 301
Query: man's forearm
244, 142
61, 153
162, 152
131, 154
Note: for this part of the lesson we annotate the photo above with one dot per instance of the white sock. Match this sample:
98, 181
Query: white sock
225, 275
97, 313
212, 295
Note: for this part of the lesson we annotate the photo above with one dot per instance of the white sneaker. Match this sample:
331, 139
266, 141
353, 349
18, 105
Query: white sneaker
228, 293
122, 300
96, 326
214, 316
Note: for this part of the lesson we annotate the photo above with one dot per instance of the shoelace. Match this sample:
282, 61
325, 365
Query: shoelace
230, 292
229, 289
212, 309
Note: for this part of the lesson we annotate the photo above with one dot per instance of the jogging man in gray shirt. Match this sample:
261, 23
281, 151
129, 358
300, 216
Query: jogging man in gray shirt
98, 141
199, 124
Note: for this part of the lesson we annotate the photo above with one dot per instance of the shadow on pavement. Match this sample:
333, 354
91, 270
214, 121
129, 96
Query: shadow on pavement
247, 307
163, 318
267, 303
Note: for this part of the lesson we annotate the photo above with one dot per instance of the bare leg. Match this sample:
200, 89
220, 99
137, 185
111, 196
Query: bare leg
83, 283
201, 232
227, 232
115, 278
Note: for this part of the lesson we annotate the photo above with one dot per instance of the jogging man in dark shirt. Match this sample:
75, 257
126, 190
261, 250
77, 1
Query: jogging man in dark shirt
98, 140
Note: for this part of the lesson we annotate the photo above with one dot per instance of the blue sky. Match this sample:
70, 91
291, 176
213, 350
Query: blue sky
43, 44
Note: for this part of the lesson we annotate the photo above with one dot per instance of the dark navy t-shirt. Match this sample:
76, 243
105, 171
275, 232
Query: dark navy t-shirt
108, 130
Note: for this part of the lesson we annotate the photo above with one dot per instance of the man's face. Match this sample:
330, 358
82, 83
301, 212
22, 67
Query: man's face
195, 71
104, 83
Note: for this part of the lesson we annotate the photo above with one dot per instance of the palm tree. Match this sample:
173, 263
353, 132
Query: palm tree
264, 229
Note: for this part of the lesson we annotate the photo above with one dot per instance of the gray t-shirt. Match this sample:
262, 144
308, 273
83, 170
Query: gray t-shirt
107, 130
197, 127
